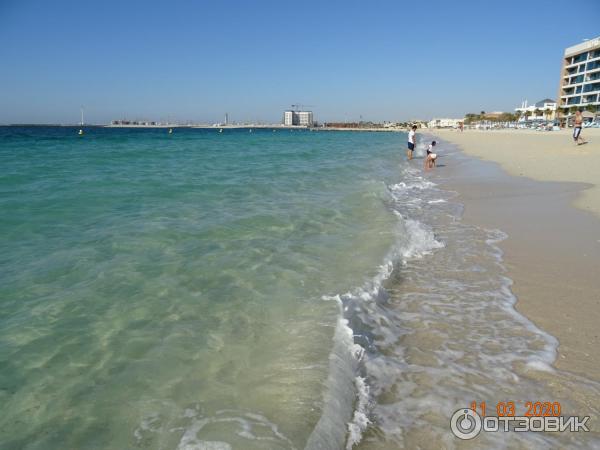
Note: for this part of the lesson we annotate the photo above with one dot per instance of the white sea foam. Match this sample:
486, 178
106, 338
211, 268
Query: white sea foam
149, 423
414, 240
407, 186
330, 430
360, 420
191, 422
420, 240
540, 365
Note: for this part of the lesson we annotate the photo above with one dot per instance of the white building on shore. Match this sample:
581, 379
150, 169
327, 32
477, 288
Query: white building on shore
444, 123
298, 118
542, 110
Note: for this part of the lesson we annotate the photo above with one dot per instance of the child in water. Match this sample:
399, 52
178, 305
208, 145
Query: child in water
431, 157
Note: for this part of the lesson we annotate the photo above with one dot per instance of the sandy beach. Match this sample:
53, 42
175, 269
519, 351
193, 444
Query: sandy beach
544, 156
553, 248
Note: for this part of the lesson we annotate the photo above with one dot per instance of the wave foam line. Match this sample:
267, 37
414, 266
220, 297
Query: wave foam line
346, 412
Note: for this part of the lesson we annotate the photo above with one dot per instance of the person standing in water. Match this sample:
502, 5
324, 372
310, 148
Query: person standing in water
411, 142
577, 128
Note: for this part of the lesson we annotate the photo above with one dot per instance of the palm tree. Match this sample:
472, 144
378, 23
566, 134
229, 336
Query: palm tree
559, 111
470, 118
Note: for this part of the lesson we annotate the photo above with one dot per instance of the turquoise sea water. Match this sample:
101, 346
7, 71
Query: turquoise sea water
167, 291
264, 290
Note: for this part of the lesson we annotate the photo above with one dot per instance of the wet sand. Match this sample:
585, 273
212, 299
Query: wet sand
553, 249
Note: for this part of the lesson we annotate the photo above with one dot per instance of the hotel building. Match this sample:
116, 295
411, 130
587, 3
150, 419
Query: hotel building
580, 78
542, 110
444, 123
299, 118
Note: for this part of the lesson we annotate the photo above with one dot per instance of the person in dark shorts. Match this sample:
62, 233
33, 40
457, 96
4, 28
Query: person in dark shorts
411, 142
577, 128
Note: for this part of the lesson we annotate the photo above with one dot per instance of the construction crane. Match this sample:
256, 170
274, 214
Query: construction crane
299, 107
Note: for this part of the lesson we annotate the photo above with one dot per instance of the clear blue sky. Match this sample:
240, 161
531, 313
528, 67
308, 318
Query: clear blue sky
197, 60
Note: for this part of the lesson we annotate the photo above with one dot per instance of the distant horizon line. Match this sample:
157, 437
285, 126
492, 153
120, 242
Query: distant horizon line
200, 124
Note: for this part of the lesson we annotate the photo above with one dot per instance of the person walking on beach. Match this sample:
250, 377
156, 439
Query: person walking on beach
577, 128
411, 142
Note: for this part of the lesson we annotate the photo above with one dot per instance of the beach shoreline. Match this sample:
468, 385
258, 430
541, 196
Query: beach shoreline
553, 248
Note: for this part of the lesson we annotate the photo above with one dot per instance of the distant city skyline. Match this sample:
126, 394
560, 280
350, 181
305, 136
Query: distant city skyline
187, 61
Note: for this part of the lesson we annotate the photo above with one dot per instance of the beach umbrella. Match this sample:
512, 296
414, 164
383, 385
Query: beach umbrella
588, 114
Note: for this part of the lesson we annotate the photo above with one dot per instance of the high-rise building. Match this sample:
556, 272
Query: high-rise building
305, 118
300, 118
288, 118
580, 78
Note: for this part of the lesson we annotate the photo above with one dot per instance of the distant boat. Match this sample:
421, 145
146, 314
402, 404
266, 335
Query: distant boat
170, 130
80, 133
220, 130
250, 130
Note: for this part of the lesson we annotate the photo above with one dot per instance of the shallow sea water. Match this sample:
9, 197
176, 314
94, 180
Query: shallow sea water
265, 290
